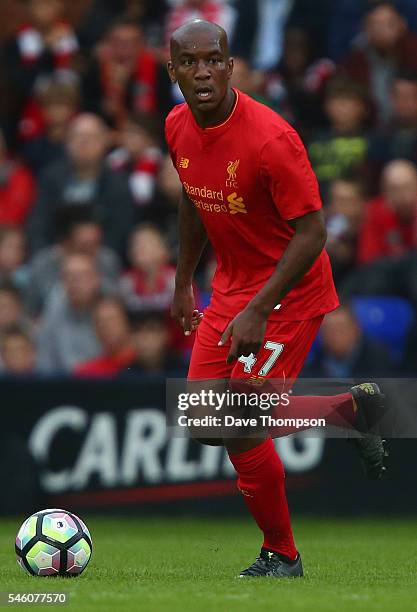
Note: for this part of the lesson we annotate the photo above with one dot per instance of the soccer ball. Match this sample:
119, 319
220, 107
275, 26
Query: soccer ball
53, 542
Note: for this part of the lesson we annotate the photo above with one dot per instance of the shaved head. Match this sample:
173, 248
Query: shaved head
201, 65
399, 184
191, 33
399, 171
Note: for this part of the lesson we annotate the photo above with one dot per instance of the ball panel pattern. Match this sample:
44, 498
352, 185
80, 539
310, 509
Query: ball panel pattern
84, 528
26, 532
78, 556
53, 542
44, 559
59, 526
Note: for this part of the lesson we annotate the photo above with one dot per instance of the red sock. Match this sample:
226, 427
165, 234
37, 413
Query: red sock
335, 409
261, 481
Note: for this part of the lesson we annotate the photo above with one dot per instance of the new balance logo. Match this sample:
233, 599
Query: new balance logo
184, 162
236, 205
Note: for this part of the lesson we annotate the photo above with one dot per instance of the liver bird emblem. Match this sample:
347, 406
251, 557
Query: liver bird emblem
232, 167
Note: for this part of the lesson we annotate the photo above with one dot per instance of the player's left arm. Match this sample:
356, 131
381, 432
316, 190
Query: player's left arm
285, 171
302, 251
248, 327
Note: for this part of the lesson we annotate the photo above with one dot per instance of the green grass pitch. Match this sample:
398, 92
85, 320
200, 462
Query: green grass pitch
152, 565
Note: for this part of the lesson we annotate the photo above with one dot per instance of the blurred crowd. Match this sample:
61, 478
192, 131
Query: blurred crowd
88, 193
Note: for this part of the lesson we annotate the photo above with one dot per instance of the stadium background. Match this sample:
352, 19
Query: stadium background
88, 242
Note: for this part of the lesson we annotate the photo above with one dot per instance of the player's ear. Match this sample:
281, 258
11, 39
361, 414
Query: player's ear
171, 71
230, 65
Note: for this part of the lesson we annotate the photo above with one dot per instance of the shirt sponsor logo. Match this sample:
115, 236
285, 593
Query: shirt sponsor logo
236, 204
232, 167
203, 192
184, 162
210, 206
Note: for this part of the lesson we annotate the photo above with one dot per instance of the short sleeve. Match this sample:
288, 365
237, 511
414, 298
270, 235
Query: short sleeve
287, 173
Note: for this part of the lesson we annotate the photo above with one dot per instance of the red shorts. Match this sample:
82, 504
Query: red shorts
285, 349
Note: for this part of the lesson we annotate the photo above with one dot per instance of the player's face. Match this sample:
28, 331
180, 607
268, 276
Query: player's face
203, 69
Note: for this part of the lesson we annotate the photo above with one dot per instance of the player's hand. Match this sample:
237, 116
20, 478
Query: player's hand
196, 319
183, 310
247, 330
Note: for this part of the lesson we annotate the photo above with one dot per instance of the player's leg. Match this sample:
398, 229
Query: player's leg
260, 470
261, 477
277, 366
361, 408
261, 480
208, 372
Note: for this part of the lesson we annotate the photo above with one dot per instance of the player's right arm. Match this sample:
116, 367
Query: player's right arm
192, 240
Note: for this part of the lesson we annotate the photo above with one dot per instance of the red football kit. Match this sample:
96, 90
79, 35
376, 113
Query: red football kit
247, 177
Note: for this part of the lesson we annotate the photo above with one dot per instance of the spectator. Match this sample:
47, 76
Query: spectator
66, 334
296, 86
346, 352
12, 256
170, 188
101, 13
17, 353
153, 355
390, 221
114, 334
44, 46
124, 78
149, 283
250, 81
87, 200
342, 149
316, 23
78, 234
150, 14
385, 276
386, 47
344, 218
163, 211
210, 10
345, 22
58, 103
397, 140
11, 308
17, 188
82, 179
258, 35
140, 155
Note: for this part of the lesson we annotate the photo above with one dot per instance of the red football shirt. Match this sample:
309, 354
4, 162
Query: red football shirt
247, 177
